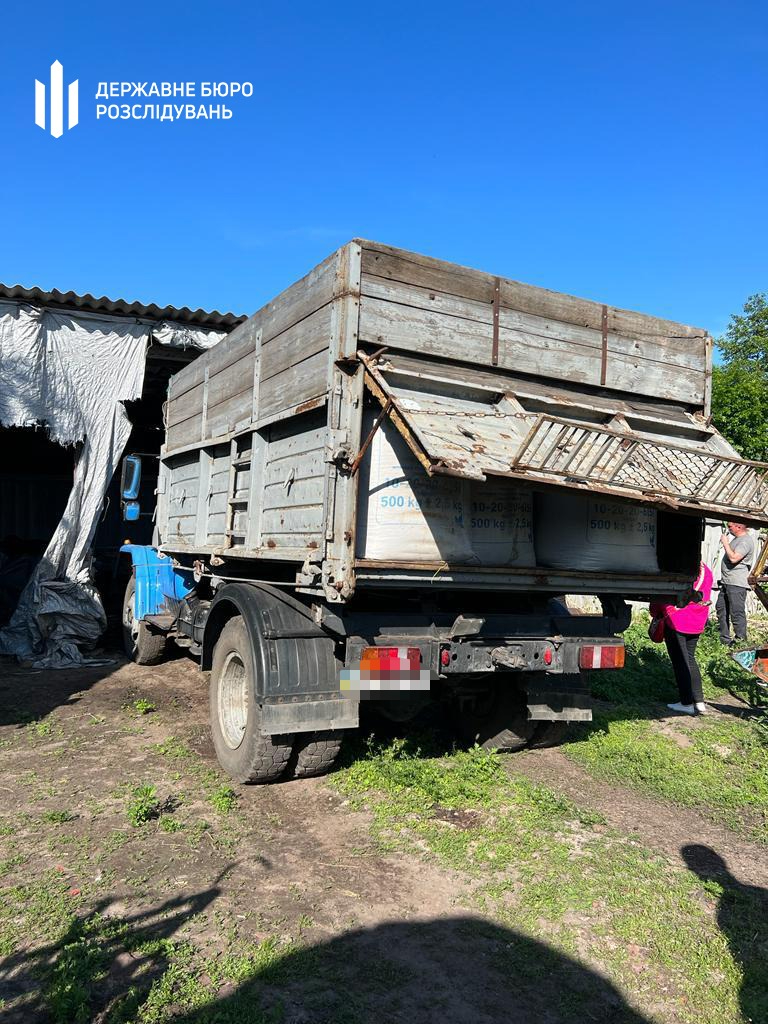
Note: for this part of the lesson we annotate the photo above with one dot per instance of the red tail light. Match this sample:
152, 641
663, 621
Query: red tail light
390, 659
602, 656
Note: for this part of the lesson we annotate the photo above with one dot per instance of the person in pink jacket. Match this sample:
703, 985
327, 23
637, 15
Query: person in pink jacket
682, 629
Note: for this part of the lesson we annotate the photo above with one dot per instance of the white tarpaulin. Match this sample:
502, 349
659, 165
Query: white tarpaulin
71, 374
185, 336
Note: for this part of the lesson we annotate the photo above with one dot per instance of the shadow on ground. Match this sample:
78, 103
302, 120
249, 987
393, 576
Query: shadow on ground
459, 970
28, 694
742, 916
103, 962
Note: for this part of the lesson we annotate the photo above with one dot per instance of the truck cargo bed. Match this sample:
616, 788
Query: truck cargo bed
484, 380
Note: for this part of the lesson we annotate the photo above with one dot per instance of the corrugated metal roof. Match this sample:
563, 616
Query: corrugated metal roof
120, 307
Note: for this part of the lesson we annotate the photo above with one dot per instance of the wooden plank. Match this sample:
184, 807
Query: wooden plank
298, 301
185, 406
291, 547
181, 434
298, 342
436, 275
231, 413
302, 519
413, 268
216, 359
215, 527
179, 472
205, 464
306, 490
304, 465
232, 380
435, 334
217, 502
503, 380
416, 330
686, 352
301, 383
308, 431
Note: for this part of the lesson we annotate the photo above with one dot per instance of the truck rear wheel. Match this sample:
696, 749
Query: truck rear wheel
315, 753
141, 644
498, 718
243, 752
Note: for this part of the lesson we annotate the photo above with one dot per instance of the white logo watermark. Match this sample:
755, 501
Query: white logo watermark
57, 102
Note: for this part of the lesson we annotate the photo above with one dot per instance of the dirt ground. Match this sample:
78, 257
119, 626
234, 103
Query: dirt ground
663, 827
286, 862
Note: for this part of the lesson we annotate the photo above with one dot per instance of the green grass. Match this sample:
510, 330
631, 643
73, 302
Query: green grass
65, 950
218, 793
142, 706
143, 805
553, 871
223, 799
57, 817
723, 771
647, 677
718, 764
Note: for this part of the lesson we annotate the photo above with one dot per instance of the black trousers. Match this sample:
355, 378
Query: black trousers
731, 605
682, 654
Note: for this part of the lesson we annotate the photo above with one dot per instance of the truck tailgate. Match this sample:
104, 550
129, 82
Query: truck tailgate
477, 423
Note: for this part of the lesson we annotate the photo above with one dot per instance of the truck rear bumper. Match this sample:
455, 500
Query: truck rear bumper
446, 658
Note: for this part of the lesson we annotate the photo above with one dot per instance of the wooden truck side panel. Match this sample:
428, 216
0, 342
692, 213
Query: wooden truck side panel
274, 363
422, 305
252, 425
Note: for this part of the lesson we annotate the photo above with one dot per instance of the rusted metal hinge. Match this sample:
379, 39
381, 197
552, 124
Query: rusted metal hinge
366, 444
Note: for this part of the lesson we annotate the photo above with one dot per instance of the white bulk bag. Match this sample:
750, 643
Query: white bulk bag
500, 522
594, 533
405, 515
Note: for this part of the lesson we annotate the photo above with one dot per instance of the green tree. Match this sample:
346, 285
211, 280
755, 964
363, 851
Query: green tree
740, 384
746, 339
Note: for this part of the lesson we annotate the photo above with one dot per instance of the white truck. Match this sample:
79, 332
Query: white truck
384, 484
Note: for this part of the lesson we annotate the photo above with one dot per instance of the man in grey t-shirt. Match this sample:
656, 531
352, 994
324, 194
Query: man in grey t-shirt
738, 559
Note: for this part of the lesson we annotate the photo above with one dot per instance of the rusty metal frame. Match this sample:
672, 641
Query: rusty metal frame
377, 386
366, 444
604, 353
496, 317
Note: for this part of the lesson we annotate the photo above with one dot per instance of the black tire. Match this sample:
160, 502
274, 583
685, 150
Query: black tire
235, 713
548, 734
142, 645
315, 753
497, 720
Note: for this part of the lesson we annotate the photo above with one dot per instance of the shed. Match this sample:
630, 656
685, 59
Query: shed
79, 375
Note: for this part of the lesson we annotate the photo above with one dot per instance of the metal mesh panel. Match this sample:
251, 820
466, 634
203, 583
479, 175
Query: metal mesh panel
594, 455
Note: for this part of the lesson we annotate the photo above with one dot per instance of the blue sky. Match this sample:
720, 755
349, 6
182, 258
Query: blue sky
613, 151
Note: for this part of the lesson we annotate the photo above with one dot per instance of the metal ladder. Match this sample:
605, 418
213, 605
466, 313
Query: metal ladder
239, 463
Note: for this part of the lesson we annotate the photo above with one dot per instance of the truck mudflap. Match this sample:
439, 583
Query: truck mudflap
295, 668
309, 716
562, 699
